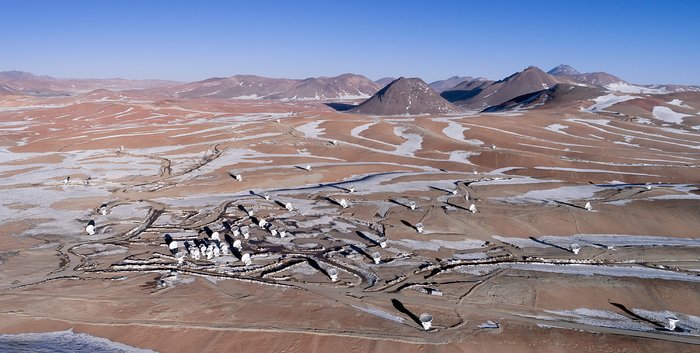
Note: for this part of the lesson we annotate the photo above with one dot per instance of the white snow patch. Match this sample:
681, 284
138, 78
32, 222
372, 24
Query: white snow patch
606, 101
311, 129
556, 128
668, 115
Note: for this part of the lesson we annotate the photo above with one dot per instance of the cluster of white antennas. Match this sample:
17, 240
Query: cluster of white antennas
244, 231
343, 203
90, 228
193, 250
426, 320
588, 206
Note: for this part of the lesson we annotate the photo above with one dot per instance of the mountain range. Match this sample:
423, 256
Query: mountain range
386, 96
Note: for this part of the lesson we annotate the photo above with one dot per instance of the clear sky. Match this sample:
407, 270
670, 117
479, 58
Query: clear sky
640, 41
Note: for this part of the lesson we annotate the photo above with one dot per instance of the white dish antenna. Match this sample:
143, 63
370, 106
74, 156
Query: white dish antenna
289, 206
238, 177
382, 242
377, 257
246, 259
588, 206
412, 205
426, 320
671, 322
472, 208
419, 227
215, 236
90, 229
343, 203
333, 274
575, 248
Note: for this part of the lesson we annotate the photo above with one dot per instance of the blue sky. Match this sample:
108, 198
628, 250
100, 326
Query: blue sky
640, 41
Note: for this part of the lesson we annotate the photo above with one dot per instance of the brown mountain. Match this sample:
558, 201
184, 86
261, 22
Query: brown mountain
560, 95
346, 86
483, 94
567, 72
405, 96
239, 86
382, 82
28, 83
444, 85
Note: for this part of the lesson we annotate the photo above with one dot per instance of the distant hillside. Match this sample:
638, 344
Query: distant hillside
30, 84
443, 85
346, 86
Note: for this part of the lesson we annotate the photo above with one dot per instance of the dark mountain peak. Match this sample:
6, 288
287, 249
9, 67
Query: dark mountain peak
405, 96
563, 70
